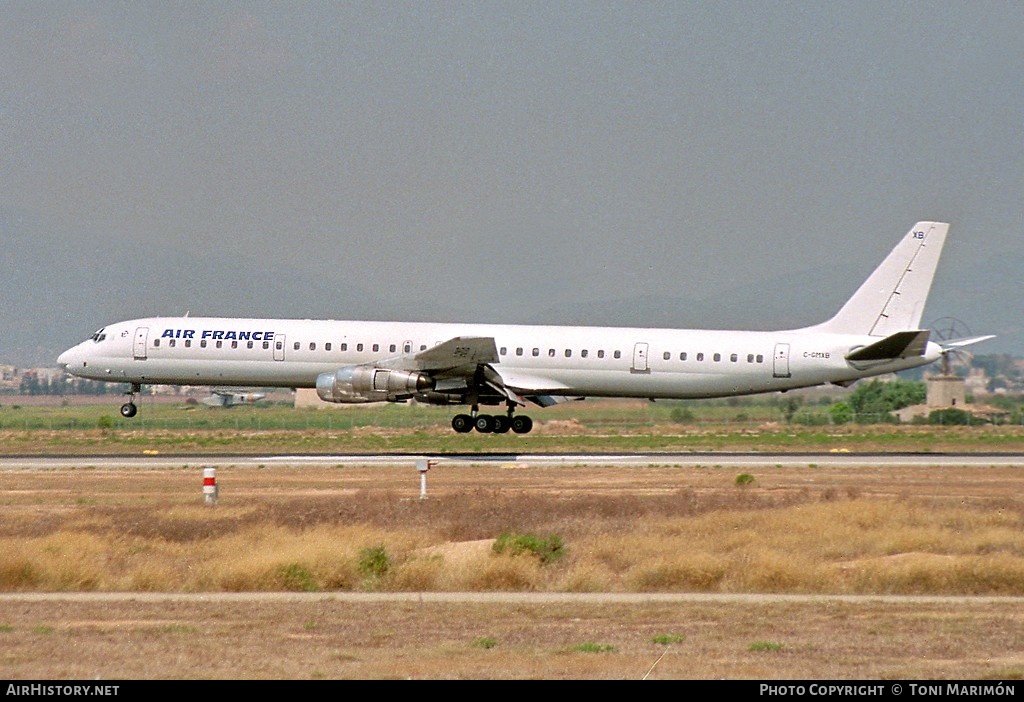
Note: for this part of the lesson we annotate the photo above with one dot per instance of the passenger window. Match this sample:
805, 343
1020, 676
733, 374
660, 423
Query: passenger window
234, 344
600, 353
760, 358
393, 348
359, 347
172, 343
296, 345
203, 343
344, 346
733, 358
248, 344
220, 344
519, 351
718, 357
583, 353
551, 352
376, 348
188, 343
700, 356
327, 346
266, 344
312, 346
617, 354
682, 356
156, 342
536, 352
503, 351
666, 355
750, 358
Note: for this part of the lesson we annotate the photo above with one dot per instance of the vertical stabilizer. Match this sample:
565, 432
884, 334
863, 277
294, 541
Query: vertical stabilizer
892, 299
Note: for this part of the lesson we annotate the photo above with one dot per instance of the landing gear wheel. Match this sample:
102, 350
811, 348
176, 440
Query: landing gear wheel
462, 423
484, 423
502, 424
521, 424
128, 409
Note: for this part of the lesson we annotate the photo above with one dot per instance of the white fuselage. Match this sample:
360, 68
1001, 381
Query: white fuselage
564, 360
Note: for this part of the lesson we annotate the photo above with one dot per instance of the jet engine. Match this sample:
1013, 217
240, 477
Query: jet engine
353, 384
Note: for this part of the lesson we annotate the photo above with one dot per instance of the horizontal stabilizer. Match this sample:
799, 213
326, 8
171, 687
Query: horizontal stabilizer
903, 344
957, 343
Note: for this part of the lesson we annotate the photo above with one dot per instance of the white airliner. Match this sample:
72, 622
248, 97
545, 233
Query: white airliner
876, 332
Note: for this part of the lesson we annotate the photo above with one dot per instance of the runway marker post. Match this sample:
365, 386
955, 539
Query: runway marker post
210, 485
423, 465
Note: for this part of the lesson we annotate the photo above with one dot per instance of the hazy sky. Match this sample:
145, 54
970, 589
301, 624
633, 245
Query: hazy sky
499, 160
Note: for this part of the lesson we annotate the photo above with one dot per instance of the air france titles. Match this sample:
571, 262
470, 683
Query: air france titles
218, 334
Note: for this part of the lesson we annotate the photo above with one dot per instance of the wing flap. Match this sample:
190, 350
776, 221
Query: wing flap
526, 384
521, 387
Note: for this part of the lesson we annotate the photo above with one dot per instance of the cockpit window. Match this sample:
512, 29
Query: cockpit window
100, 335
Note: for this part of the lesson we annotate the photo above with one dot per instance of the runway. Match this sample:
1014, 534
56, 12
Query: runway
738, 460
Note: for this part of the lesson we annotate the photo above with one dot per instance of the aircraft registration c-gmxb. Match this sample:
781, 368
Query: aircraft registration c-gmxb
877, 331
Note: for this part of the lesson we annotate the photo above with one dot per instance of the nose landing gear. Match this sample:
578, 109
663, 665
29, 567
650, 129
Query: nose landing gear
129, 409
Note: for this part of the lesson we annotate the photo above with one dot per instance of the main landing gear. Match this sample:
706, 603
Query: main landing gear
128, 409
492, 423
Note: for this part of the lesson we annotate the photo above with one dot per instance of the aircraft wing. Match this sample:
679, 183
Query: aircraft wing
460, 352
455, 363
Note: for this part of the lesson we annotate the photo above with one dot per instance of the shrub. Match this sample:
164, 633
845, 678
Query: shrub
296, 578
949, 416
681, 415
744, 479
666, 639
546, 549
374, 561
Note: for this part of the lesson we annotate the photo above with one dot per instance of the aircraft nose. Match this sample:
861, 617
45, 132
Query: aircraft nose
69, 359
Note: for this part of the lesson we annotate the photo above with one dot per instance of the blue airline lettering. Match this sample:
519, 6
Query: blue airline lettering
217, 334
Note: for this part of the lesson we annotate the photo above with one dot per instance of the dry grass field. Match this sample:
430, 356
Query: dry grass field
681, 571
